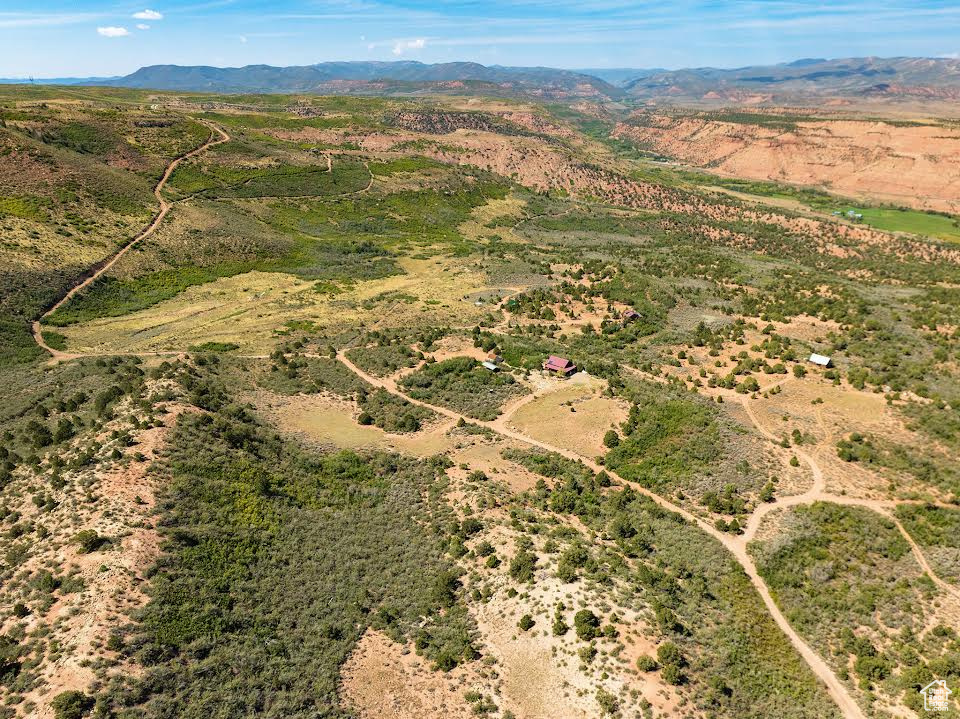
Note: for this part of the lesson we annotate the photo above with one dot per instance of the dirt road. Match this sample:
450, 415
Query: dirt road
735, 545
818, 493
146, 232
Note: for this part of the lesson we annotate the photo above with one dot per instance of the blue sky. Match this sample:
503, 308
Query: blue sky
47, 38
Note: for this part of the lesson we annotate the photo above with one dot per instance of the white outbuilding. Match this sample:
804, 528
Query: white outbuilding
821, 360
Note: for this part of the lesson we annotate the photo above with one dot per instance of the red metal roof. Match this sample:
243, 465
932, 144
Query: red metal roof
558, 363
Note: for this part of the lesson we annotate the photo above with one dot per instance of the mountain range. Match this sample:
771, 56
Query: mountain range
850, 77
366, 76
810, 77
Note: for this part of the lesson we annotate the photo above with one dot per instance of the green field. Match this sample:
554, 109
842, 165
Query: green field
890, 219
916, 222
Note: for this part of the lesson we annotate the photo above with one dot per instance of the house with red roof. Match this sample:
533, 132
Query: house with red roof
560, 365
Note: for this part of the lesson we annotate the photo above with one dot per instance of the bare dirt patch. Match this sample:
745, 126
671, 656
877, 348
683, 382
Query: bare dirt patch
385, 679
541, 675
828, 413
332, 422
573, 414
486, 457
454, 346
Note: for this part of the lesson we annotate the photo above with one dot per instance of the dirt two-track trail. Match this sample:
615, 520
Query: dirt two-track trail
146, 232
735, 545
818, 493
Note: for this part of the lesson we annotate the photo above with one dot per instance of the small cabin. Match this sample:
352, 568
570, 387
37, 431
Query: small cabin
492, 366
560, 365
630, 316
820, 360
494, 357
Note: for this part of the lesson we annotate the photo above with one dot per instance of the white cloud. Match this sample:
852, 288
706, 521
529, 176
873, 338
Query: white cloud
148, 15
402, 46
142, 26
112, 31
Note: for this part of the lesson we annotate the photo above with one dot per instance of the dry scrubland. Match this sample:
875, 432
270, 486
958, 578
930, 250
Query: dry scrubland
266, 474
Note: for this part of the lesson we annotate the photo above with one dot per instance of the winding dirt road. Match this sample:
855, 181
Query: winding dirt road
735, 545
818, 493
146, 232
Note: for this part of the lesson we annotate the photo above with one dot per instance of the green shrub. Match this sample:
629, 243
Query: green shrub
392, 413
587, 625
522, 565
71, 705
463, 385
357, 530
484, 549
89, 541
665, 440
214, 347
609, 704
383, 360
646, 663
672, 674
560, 626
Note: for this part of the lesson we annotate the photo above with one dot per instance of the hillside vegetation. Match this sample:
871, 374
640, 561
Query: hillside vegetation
294, 453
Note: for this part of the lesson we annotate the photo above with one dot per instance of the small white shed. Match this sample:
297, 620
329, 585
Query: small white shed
821, 360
